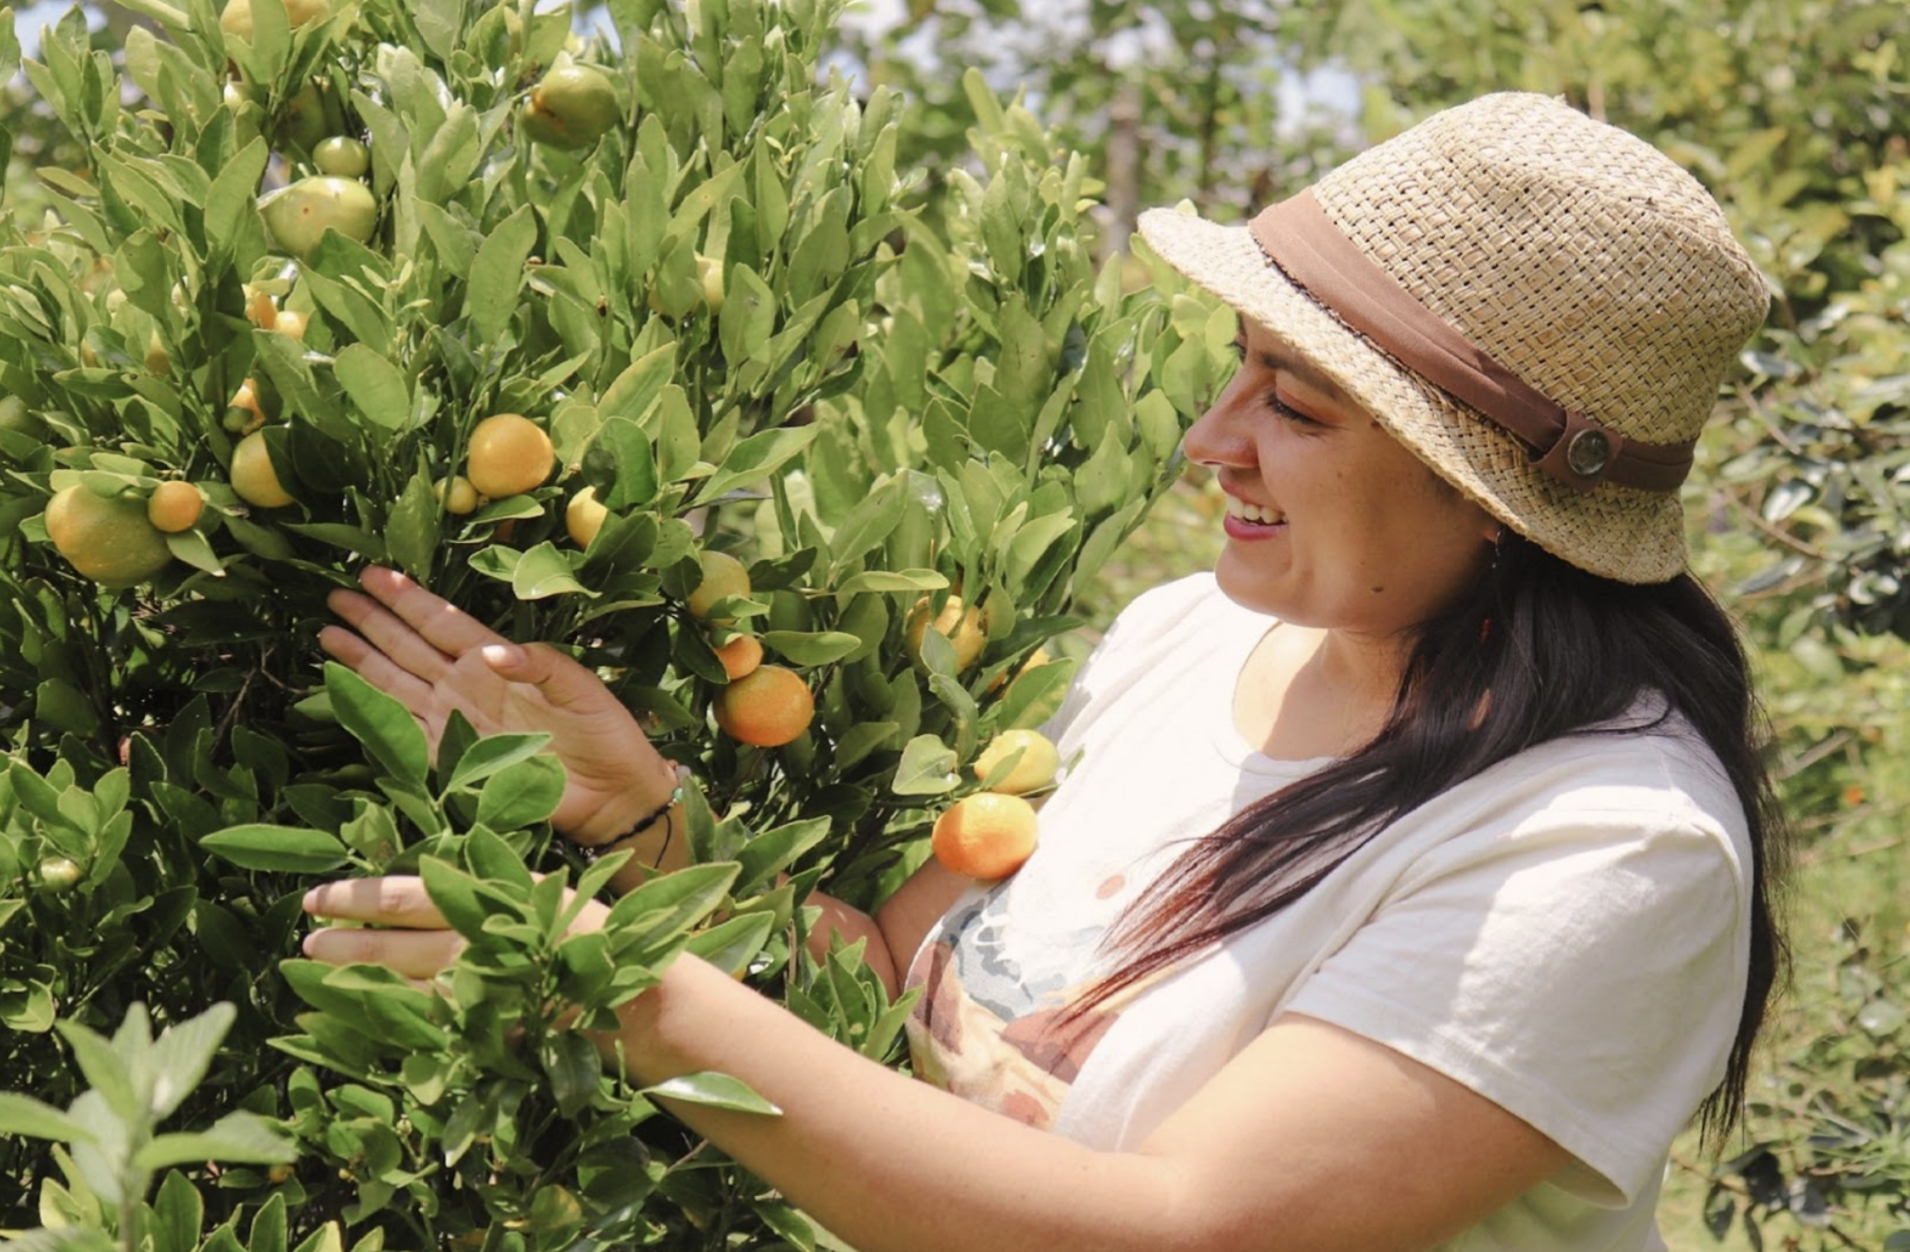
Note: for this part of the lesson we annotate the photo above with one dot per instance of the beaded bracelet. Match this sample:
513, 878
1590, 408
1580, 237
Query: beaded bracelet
662, 813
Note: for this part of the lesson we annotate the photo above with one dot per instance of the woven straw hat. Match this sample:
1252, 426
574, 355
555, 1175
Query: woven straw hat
1558, 277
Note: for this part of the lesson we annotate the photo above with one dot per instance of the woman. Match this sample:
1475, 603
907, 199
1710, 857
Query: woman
1411, 888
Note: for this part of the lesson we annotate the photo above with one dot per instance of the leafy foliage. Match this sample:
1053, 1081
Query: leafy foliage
745, 327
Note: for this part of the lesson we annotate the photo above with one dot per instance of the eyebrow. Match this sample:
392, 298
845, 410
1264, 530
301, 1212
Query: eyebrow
1313, 380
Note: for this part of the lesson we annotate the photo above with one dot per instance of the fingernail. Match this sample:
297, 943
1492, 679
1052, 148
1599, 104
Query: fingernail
500, 655
310, 901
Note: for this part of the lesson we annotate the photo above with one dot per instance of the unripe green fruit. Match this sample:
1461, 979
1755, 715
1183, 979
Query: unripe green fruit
299, 216
59, 873
571, 108
341, 156
307, 119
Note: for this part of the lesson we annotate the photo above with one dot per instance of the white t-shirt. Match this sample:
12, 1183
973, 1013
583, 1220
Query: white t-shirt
1566, 933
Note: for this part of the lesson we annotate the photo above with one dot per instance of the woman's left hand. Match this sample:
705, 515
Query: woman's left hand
406, 933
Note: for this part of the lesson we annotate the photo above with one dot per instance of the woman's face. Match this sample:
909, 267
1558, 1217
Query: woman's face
1331, 522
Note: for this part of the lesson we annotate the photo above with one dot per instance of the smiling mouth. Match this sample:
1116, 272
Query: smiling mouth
1240, 510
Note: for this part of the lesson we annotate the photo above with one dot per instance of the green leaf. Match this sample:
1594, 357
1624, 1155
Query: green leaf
719, 1091
24, 1115
893, 580
183, 1054
522, 793
375, 385
811, 648
674, 902
493, 753
498, 273
545, 571
385, 726
412, 529
465, 901
757, 457
241, 1137
733, 943
928, 768
279, 849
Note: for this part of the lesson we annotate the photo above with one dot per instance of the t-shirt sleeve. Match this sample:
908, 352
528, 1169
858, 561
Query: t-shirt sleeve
1587, 975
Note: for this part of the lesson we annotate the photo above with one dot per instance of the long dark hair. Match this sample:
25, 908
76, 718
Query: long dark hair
1539, 650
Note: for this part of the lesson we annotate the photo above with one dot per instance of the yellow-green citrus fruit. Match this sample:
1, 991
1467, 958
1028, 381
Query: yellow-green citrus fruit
459, 496
109, 541
59, 873
174, 507
236, 19
961, 627
299, 216
584, 517
508, 456
710, 271
570, 108
723, 576
740, 656
290, 322
986, 835
253, 476
767, 708
158, 360
306, 119
1034, 770
342, 157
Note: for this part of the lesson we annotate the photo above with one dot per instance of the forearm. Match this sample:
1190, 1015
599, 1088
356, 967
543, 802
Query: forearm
882, 1160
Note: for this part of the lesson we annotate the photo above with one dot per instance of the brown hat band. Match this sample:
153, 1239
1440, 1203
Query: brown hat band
1571, 447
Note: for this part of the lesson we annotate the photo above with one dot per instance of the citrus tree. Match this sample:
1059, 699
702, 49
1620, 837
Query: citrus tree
641, 343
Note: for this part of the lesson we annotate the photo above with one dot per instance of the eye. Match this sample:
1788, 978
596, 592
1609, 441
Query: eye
1240, 347
1280, 406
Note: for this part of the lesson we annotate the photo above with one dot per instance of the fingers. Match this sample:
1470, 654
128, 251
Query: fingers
443, 625
415, 941
564, 682
375, 667
416, 954
395, 900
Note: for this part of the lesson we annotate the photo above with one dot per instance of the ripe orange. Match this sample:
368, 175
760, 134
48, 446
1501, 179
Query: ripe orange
509, 455
290, 322
109, 541
584, 517
723, 576
1034, 769
768, 708
253, 476
962, 628
260, 309
175, 507
740, 656
986, 835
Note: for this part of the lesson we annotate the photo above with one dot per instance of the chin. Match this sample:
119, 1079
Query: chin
1249, 590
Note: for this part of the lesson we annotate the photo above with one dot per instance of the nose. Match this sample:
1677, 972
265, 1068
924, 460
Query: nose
1220, 437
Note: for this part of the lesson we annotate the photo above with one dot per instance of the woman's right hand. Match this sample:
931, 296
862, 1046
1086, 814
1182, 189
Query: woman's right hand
433, 658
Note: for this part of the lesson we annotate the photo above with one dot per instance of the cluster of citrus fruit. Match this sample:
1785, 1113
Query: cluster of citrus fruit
765, 706
989, 833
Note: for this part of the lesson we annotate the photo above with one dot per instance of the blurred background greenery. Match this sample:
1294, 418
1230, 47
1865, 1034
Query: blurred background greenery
1794, 113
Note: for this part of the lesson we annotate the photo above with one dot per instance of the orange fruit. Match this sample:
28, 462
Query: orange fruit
961, 627
236, 19
723, 576
175, 507
299, 215
509, 455
108, 540
245, 413
740, 656
1034, 769
290, 322
260, 309
459, 496
769, 707
253, 475
584, 517
571, 107
986, 835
